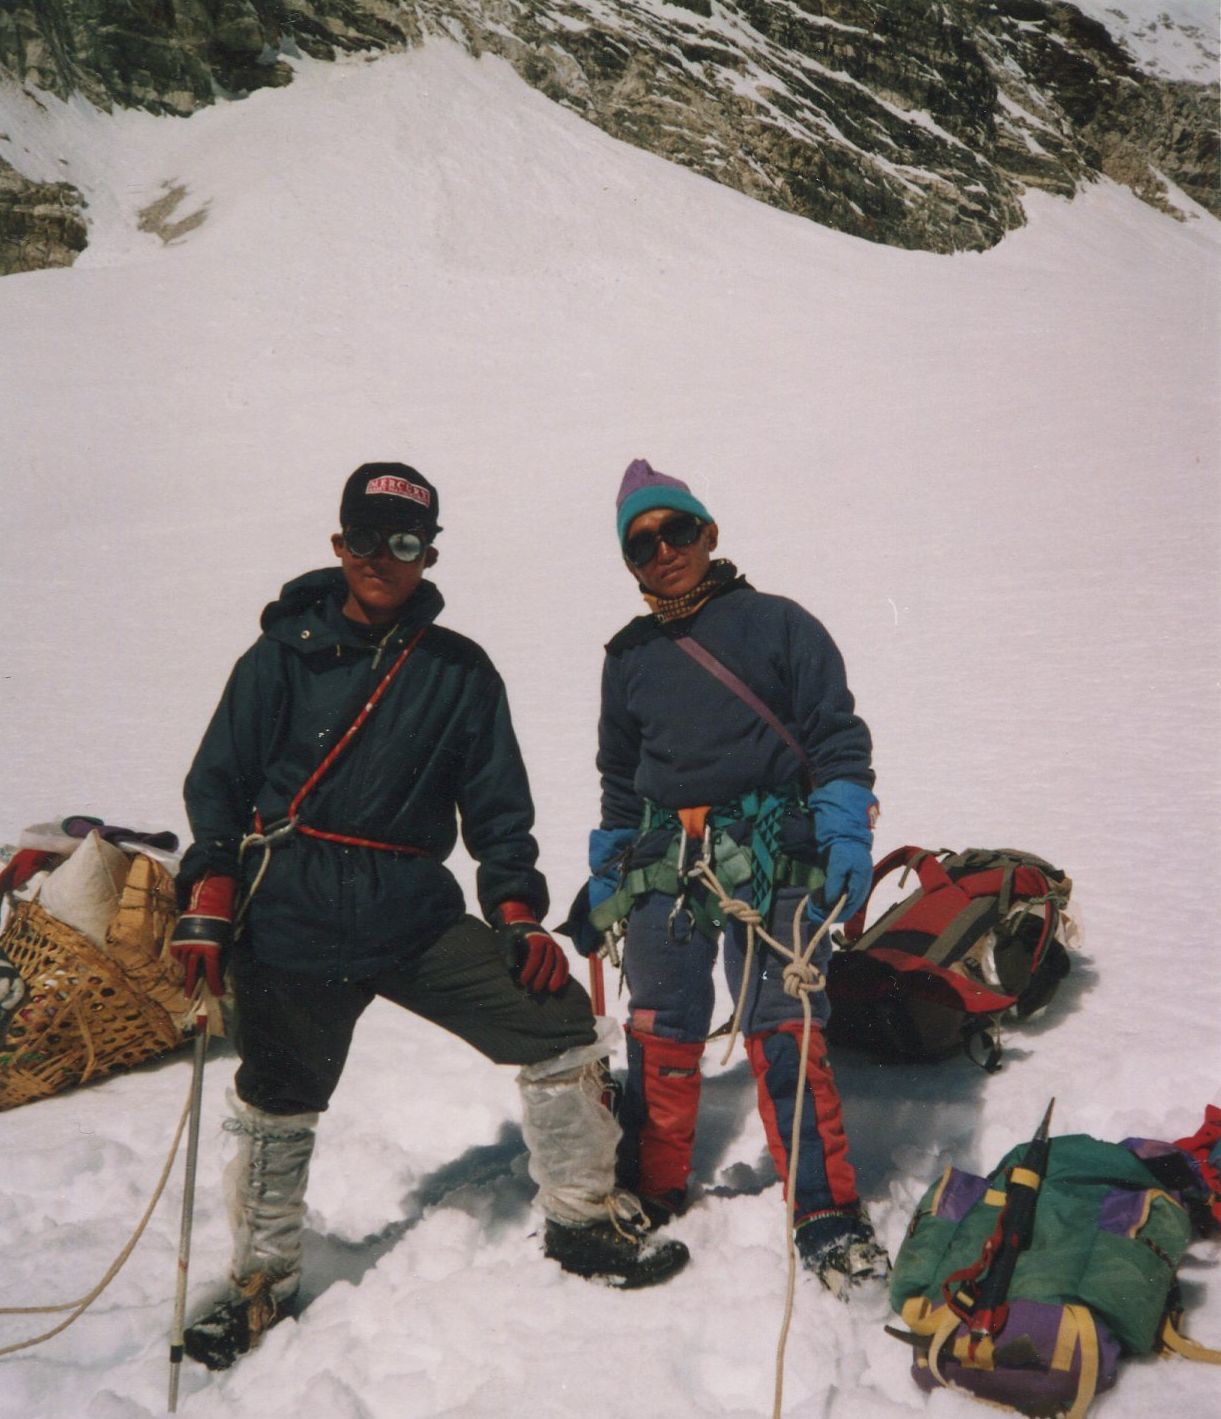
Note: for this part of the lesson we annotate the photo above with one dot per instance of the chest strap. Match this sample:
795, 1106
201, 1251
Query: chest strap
268, 837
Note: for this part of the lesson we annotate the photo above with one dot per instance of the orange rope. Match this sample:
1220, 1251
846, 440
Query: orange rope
361, 842
384, 684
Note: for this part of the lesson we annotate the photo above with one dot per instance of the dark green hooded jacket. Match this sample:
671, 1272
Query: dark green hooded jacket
438, 747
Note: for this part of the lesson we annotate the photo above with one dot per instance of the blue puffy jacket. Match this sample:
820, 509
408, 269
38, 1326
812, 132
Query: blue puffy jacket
673, 734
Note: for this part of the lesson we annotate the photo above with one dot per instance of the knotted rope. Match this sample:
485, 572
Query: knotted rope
802, 978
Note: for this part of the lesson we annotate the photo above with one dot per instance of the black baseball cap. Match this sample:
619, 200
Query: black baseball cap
392, 496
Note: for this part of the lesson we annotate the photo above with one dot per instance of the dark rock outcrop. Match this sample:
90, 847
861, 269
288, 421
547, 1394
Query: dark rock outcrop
42, 224
913, 122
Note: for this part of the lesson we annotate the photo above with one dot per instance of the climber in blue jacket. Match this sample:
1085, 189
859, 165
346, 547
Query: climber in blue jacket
749, 754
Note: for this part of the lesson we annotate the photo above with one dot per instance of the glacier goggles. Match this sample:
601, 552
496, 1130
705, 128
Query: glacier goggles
367, 542
681, 530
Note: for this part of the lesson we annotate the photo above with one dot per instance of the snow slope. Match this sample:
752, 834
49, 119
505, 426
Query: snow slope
1175, 39
993, 476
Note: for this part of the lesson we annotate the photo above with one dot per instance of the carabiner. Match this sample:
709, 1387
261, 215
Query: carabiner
680, 909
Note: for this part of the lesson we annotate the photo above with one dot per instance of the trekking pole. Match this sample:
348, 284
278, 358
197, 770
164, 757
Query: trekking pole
188, 1203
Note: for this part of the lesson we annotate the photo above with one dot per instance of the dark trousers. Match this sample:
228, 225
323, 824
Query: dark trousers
293, 1030
672, 992
670, 1010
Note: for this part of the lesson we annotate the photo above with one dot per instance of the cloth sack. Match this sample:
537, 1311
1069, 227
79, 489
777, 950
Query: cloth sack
83, 891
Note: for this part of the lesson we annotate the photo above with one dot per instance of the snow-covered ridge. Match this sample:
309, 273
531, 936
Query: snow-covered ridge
917, 124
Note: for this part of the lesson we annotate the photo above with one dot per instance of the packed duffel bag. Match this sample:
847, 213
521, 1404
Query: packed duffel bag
88, 1010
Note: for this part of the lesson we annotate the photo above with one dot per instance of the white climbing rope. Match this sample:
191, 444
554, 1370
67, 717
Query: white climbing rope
802, 978
79, 1307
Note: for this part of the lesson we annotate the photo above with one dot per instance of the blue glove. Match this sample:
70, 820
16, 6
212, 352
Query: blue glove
606, 846
844, 814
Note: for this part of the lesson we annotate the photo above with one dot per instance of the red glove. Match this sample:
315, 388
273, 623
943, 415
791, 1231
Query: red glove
23, 865
533, 955
205, 932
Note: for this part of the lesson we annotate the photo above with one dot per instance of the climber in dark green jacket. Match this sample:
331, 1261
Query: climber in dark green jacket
351, 742
439, 750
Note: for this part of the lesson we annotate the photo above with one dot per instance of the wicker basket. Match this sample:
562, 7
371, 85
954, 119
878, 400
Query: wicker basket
84, 1015
138, 938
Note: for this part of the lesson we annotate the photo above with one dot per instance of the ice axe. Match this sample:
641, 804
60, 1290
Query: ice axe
202, 1032
978, 1295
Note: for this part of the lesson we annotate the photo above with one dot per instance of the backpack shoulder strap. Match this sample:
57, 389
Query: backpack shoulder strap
704, 657
927, 866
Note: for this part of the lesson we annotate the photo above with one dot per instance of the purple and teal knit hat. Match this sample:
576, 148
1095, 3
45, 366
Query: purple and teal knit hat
643, 488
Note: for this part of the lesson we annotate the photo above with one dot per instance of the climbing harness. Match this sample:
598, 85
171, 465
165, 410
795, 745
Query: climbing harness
756, 817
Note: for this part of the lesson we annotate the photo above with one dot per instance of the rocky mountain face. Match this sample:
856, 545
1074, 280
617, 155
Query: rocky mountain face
913, 122
41, 223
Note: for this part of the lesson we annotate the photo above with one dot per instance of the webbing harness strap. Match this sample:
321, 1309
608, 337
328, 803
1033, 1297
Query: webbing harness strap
704, 657
325, 766
268, 837
760, 862
763, 809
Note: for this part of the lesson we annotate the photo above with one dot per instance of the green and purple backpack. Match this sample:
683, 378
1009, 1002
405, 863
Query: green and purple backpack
1091, 1279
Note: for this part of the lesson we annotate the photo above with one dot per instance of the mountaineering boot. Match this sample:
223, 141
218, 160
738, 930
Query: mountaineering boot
265, 1187
840, 1248
236, 1324
593, 1229
663, 1207
618, 1252
658, 1113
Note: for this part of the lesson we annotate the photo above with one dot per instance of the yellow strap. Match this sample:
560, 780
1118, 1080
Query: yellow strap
947, 1328
1025, 1177
935, 1200
921, 1315
1066, 1340
1190, 1349
994, 1198
1087, 1385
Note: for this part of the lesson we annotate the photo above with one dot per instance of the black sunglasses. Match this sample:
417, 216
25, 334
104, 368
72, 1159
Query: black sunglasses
681, 530
367, 542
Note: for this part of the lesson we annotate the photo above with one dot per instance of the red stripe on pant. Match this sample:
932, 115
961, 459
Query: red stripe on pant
825, 1177
671, 1087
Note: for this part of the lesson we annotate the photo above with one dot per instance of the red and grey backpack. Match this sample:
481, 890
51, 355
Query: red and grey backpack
981, 936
